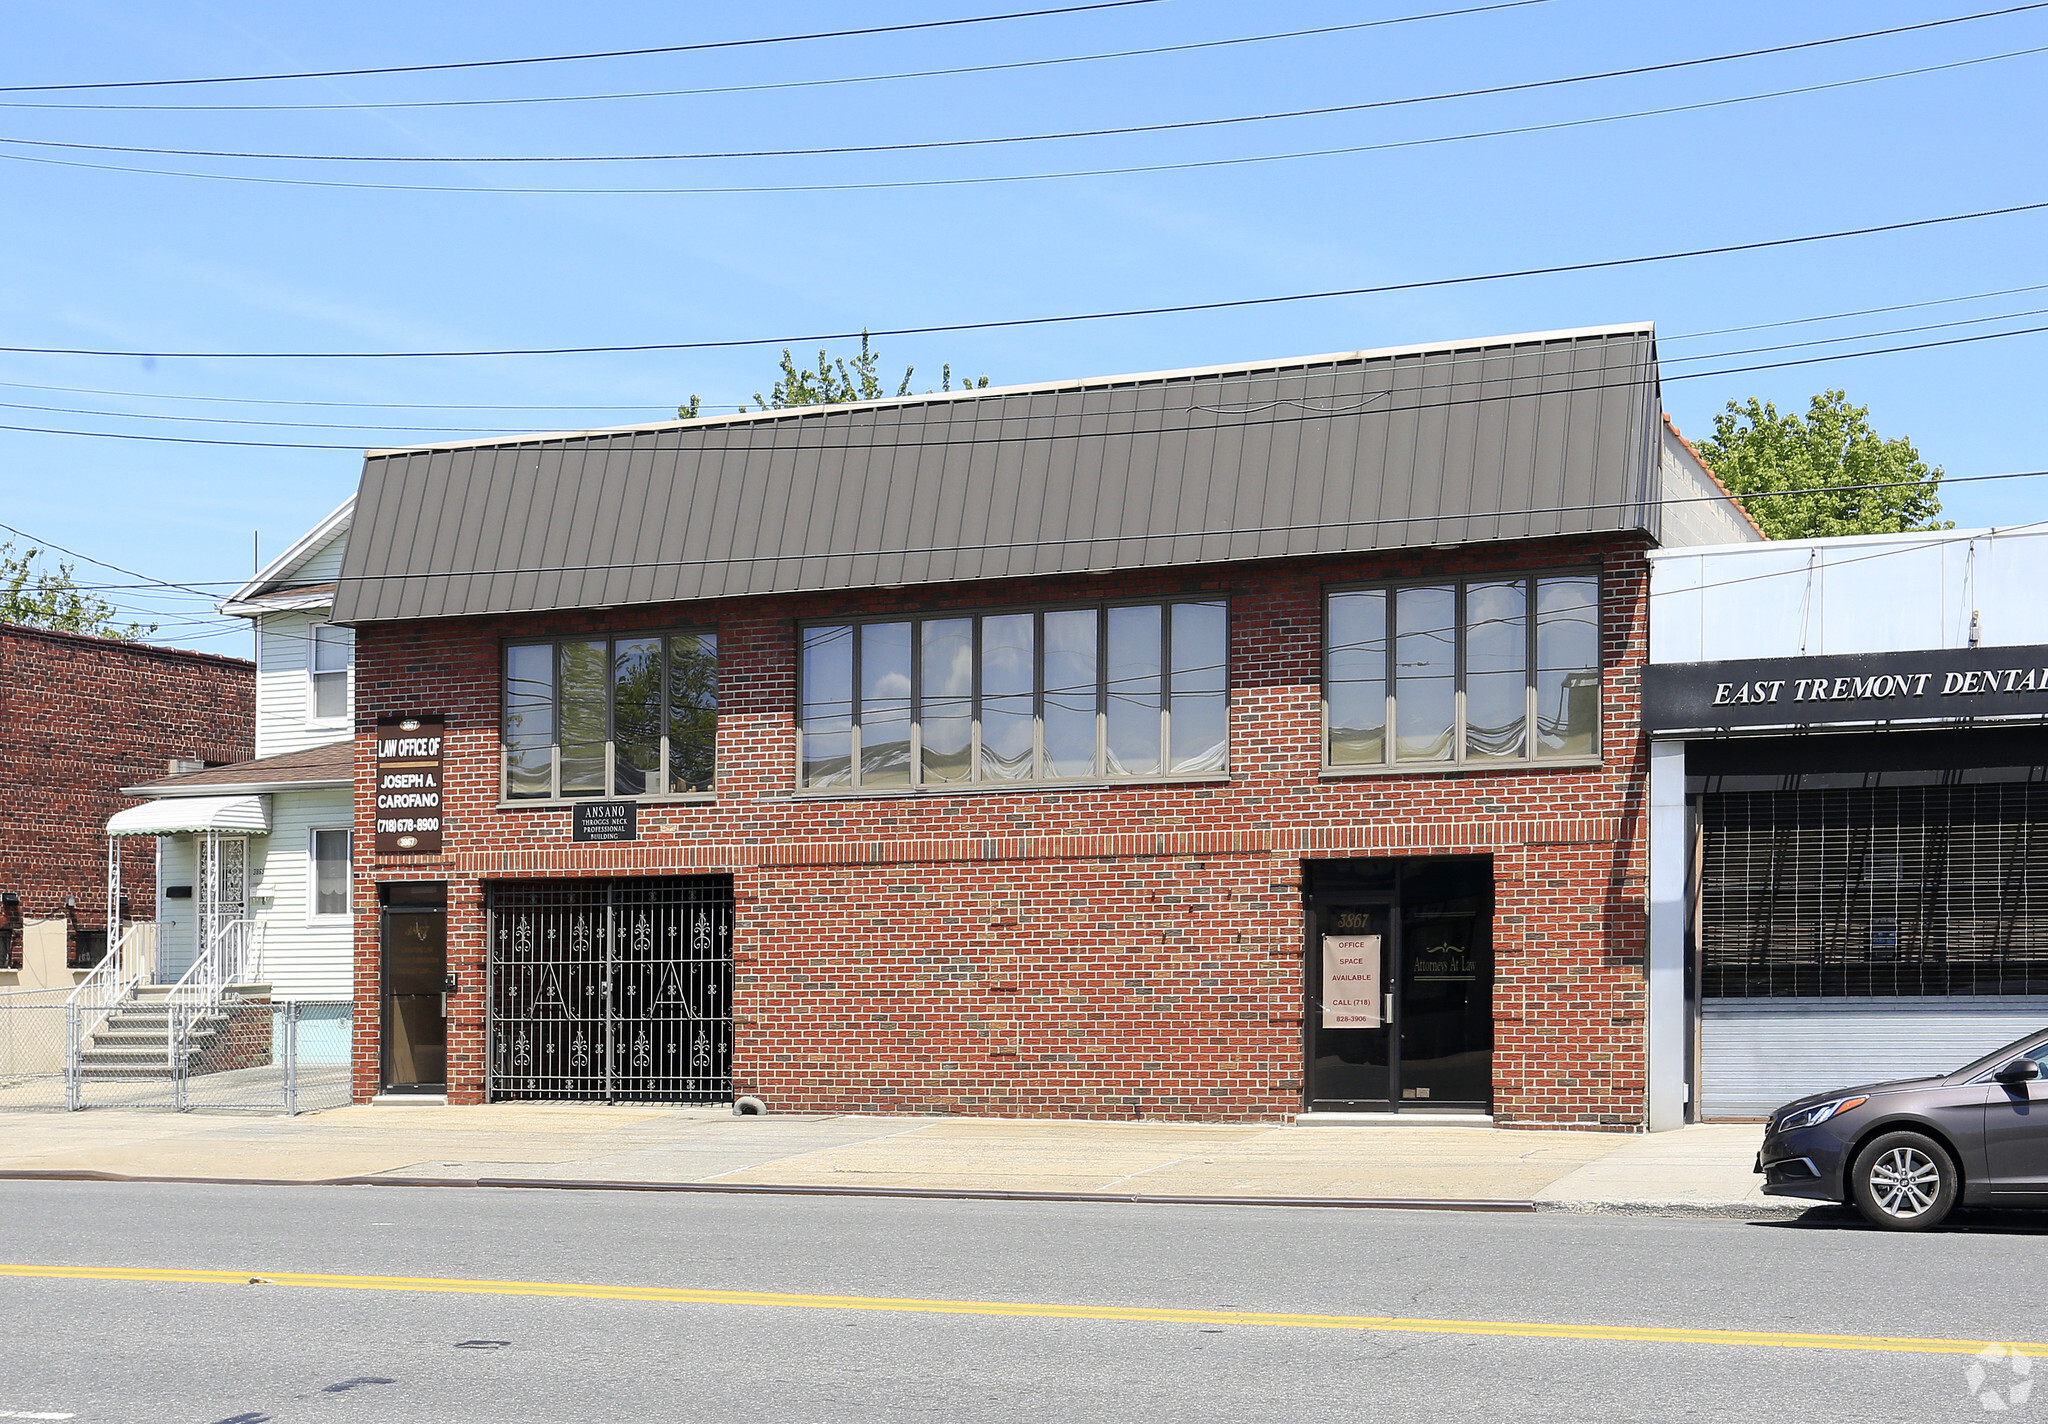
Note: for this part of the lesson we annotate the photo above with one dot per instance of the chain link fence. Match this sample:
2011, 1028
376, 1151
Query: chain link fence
281, 1056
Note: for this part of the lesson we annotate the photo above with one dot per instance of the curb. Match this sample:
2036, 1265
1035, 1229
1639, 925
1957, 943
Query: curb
749, 1189
1723, 1210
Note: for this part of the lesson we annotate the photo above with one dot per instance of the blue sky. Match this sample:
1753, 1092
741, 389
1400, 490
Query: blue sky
147, 261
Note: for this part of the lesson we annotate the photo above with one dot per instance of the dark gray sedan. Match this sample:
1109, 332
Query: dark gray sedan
1907, 1152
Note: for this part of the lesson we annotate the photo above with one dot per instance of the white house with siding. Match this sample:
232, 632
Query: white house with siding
267, 841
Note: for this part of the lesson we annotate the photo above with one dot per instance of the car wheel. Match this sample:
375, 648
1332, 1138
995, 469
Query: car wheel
1904, 1181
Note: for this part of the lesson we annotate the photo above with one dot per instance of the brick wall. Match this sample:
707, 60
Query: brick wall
81, 717
1075, 953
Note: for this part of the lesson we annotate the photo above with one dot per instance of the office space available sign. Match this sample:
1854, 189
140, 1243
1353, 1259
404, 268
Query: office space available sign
1351, 981
409, 785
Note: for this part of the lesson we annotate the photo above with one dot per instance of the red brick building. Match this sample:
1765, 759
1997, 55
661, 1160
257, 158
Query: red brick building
1217, 744
81, 717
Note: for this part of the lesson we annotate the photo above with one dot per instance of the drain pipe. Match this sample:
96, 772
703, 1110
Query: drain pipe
749, 1107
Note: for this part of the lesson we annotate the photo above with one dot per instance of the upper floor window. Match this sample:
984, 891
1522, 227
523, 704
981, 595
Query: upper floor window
328, 652
1475, 673
633, 715
1067, 694
330, 871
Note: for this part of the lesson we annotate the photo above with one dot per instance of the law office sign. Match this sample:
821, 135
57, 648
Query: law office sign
1956, 685
409, 784
1351, 981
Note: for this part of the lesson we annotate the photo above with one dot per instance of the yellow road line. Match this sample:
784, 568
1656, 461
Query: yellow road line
1523, 1329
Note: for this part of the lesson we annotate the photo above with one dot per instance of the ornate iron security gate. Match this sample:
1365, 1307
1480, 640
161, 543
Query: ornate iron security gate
611, 990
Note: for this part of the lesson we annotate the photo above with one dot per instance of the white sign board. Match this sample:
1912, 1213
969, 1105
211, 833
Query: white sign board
1351, 981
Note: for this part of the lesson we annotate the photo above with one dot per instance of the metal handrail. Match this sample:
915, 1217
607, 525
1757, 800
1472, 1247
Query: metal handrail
233, 956
131, 961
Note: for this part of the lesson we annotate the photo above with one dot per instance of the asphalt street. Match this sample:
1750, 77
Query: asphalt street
706, 1308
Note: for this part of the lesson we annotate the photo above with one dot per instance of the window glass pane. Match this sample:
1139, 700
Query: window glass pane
828, 706
328, 657
1356, 669
692, 711
1008, 672
885, 704
330, 696
1568, 667
636, 716
529, 719
1070, 667
1496, 670
585, 681
1199, 714
1134, 691
331, 647
1425, 672
946, 713
330, 872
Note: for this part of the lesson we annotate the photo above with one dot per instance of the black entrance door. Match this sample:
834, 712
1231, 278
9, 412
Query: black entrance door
415, 955
1417, 935
611, 990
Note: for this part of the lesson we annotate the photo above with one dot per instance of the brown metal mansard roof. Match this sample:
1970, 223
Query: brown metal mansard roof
1510, 437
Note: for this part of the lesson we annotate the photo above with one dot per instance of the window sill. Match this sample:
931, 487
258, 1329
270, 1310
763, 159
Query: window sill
984, 788
1458, 768
686, 798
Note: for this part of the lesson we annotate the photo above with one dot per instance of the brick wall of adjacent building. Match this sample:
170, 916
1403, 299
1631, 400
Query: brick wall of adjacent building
81, 717
1052, 952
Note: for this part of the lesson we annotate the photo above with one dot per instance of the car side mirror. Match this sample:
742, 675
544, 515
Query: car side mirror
2020, 1070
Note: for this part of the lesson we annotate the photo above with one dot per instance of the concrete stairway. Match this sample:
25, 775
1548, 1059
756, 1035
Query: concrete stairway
133, 1044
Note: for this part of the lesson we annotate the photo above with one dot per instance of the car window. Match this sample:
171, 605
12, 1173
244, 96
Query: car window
2036, 1051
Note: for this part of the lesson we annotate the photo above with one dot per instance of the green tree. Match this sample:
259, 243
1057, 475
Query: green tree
1756, 450
837, 381
41, 598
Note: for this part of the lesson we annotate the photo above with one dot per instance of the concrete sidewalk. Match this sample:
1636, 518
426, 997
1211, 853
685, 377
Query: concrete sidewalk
1697, 1170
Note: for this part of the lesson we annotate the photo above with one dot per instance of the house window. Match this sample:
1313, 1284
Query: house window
329, 889
633, 715
1067, 694
1483, 672
327, 664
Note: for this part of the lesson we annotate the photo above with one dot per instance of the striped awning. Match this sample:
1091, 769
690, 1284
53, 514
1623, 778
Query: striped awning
242, 815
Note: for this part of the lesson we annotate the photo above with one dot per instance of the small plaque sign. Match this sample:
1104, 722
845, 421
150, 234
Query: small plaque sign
604, 821
1351, 981
409, 784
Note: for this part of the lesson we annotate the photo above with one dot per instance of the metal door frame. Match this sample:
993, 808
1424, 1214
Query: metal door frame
1391, 898
385, 914
705, 892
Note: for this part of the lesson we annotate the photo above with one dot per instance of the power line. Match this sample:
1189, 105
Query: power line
1664, 337
788, 83
1124, 170
1132, 537
923, 444
1841, 316
485, 432
1604, 264
1055, 136
591, 54
1834, 340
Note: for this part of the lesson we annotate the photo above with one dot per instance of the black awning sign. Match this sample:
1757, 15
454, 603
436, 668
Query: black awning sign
604, 821
1952, 685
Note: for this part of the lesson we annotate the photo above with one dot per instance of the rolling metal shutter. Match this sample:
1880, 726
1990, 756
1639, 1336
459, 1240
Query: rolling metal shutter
1756, 1055
1856, 935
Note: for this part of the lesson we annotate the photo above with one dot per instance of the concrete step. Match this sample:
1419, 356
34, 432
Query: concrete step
1399, 1119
